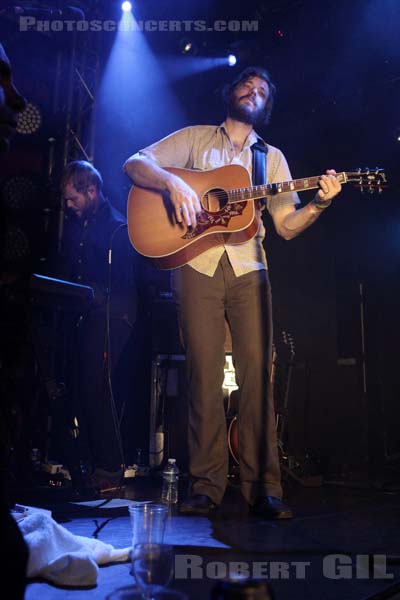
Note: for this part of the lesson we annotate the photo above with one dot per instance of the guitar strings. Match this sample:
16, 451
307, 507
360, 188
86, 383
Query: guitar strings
376, 179
264, 188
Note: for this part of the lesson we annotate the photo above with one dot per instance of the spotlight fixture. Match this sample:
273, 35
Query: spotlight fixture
188, 47
126, 7
16, 246
232, 60
29, 120
19, 193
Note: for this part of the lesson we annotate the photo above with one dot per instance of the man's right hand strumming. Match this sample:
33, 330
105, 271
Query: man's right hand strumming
146, 173
184, 200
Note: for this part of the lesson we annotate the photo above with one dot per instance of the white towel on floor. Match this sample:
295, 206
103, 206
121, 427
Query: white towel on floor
62, 557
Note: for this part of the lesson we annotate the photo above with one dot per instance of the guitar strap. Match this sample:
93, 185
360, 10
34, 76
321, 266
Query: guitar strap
260, 151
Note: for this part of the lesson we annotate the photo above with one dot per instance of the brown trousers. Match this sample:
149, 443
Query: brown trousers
203, 304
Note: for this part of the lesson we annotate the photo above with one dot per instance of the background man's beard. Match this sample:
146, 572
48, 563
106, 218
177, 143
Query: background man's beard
238, 112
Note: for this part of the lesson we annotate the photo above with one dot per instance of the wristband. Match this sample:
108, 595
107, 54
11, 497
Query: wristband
320, 204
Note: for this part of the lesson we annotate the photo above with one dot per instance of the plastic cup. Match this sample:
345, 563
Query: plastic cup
148, 520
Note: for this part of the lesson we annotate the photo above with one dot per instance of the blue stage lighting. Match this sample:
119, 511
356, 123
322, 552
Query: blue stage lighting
188, 47
232, 60
126, 6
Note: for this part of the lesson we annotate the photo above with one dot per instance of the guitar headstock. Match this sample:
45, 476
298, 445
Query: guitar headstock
367, 180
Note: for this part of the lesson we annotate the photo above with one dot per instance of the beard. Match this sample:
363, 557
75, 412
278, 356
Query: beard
243, 113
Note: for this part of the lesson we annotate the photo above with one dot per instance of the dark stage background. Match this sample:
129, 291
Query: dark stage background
337, 69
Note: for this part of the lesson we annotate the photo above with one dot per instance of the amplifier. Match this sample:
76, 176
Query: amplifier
168, 411
165, 337
168, 407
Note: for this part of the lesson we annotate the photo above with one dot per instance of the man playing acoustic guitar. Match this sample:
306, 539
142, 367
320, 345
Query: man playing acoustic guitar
228, 281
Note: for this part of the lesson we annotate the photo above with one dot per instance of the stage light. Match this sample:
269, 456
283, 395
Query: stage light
29, 120
232, 60
16, 247
126, 7
188, 47
19, 193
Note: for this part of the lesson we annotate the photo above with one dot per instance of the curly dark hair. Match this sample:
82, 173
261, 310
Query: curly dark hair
260, 72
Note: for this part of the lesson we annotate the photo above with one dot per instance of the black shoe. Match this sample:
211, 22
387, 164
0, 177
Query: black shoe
198, 504
272, 508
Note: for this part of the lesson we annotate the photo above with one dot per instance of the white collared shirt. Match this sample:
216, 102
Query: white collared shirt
208, 147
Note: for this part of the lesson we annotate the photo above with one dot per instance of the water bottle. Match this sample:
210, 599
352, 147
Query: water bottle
170, 474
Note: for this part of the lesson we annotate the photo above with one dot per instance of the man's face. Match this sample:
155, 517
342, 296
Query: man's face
81, 205
11, 102
248, 101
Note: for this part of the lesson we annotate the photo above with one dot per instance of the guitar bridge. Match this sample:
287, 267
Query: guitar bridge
190, 234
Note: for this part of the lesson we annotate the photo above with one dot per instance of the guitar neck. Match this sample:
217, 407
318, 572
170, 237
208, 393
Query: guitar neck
272, 189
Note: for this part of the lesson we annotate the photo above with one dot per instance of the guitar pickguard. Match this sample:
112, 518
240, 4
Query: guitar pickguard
210, 219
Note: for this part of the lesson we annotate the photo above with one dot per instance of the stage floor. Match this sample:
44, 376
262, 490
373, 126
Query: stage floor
347, 518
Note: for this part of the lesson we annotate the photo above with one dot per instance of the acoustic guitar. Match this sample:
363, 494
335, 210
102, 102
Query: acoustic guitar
228, 215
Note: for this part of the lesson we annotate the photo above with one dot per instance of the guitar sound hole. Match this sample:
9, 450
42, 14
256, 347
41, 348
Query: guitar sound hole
215, 200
